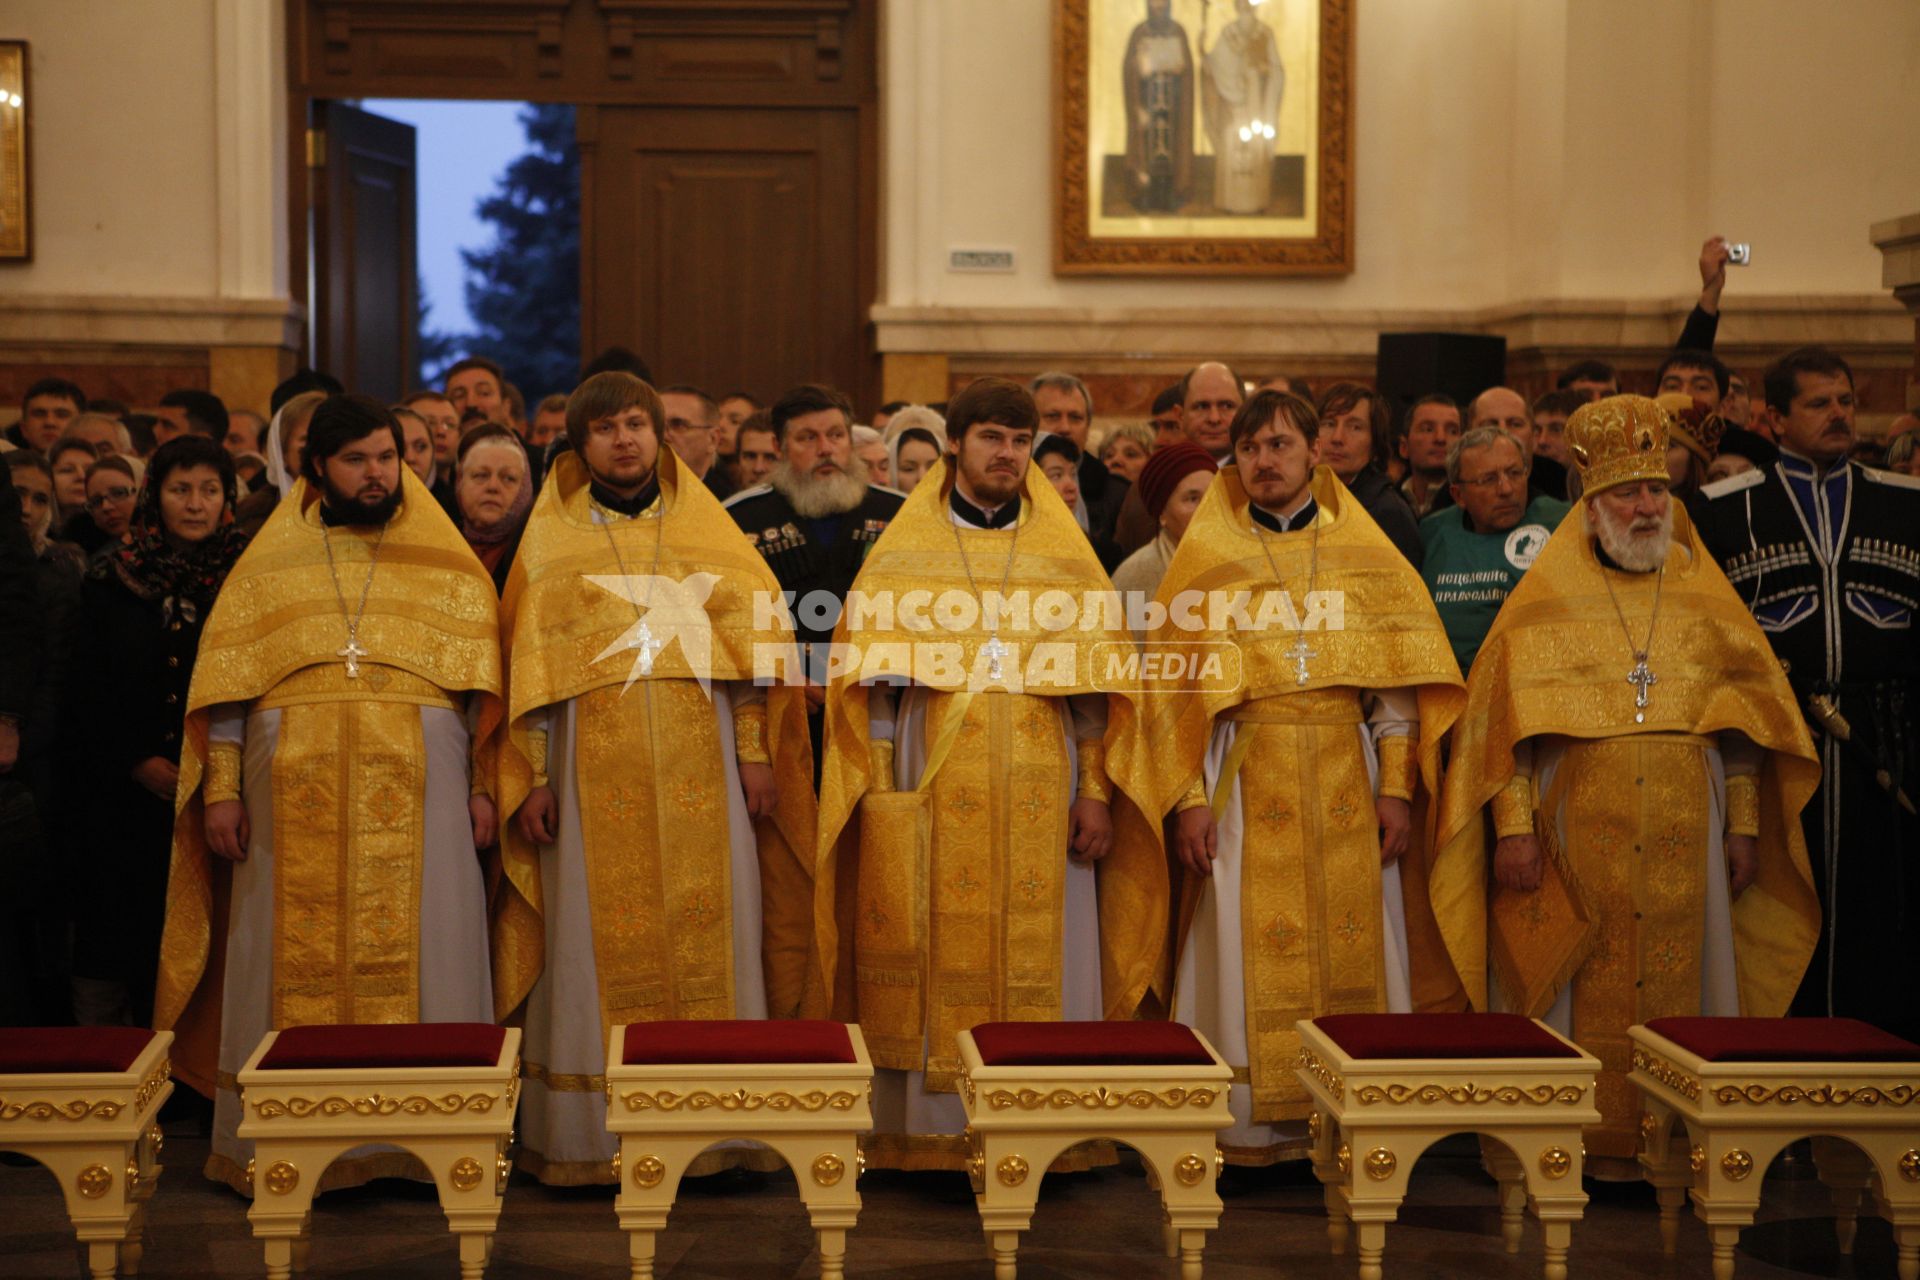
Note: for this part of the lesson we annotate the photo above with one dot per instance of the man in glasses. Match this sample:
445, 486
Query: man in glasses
1477, 549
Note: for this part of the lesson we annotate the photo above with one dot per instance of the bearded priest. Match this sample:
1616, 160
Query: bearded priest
1302, 774
986, 853
1644, 764
333, 779
659, 857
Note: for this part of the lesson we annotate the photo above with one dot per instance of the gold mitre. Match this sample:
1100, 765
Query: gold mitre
1619, 440
1697, 428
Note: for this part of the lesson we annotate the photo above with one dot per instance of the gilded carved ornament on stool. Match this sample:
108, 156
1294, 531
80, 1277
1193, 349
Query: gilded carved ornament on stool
1736, 1164
829, 1169
1910, 1164
1343, 1158
1313, 1127
1012, 1171
1697, 1158
93, 1181
1381, 1163
1190, 1170
466, 1173
648, 1172
282, 1177
1556, 1162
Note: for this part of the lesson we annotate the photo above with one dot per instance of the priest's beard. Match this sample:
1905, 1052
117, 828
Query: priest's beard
816, 496
1637, 545
352, 511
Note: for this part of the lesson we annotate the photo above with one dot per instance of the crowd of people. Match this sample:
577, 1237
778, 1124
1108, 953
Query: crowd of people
359, 712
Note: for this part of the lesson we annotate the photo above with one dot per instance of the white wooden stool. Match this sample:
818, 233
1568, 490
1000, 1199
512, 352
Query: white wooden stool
82, 1101
1033, 1089
1385, 1087
443, 1091
1743, 1088
805, 1089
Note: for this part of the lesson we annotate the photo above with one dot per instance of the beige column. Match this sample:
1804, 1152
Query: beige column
1898, 240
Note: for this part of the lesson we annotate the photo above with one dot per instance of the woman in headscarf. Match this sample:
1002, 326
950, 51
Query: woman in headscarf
916, 437
286, 437
494, 491
141, 611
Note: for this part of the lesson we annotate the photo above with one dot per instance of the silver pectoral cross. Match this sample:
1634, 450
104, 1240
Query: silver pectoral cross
1641, 678
1299, 652
352, 652
643, 642
995, 651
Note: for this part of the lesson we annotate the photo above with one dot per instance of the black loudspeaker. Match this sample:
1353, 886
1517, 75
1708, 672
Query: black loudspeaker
1462, 365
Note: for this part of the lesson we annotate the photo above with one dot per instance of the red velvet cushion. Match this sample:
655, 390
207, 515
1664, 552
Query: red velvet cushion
731, 1042
1441, 1035
30, 1051
1785, 1040
1089, 1044
397, 1044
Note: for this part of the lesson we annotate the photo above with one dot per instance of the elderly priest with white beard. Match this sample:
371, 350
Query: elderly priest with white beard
1641, 754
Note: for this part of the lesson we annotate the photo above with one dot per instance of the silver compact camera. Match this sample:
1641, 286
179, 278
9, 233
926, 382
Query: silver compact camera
1739, 255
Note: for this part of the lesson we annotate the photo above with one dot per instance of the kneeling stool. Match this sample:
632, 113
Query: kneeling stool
674, 1089
83, 1101
1387, 1086
1033, 1089
443, 1091
1743, 1088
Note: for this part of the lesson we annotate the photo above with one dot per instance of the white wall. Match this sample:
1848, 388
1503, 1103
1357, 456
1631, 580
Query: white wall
157, 148
1507, 151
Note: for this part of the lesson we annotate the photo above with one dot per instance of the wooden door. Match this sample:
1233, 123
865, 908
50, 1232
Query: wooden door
723, 245
365, 243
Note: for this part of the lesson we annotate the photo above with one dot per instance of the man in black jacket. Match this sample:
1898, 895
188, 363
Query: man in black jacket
1353, 444
1066, 409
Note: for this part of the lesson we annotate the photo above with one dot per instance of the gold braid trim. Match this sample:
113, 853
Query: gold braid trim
1513, 807
1399, 769
750, 733
537, 755
223, 772
1743, 805
1093, 772
880, 760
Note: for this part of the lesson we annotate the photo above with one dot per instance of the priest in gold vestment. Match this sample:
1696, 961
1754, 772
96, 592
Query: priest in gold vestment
330, 802
1300, 772
986, 853
658, 864
1644, 766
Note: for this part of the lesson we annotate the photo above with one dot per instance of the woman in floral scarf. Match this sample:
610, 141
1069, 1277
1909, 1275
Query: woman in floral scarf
142, 610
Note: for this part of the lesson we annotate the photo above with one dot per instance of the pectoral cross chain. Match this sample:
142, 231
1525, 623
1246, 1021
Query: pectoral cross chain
1642, 679
352, 652
642, 640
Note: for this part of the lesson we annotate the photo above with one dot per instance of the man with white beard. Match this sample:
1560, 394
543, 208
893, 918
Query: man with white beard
1640, 751
814, 521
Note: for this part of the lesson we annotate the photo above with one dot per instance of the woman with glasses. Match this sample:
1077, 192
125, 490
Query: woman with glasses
142, 608
112, 488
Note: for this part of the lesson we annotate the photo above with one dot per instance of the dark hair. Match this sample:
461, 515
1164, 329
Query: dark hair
112, 408
802, 400
1783, 375
68, 444
56, 387
1688, 358
912, 434
748, 396
892, 407
1440, 398
491, 367
1238, 382
990, 400
1587, 371
1054, 443
29, 460
707, 402
140, 431
1171, 398
1262, 407
413, 398
113, 462
516, 401
1341, 397
1559, 402
190, 451
617, 360
482, 432
206, 413
758, 420
303, 381
605, 394
340, 420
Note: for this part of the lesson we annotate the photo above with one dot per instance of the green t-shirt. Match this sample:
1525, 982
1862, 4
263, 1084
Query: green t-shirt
1470, 574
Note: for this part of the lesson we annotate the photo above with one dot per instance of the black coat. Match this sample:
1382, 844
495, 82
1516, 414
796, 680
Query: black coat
131, 671
1391, 511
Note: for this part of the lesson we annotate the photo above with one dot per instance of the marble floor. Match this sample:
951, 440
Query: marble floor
1100, 1225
